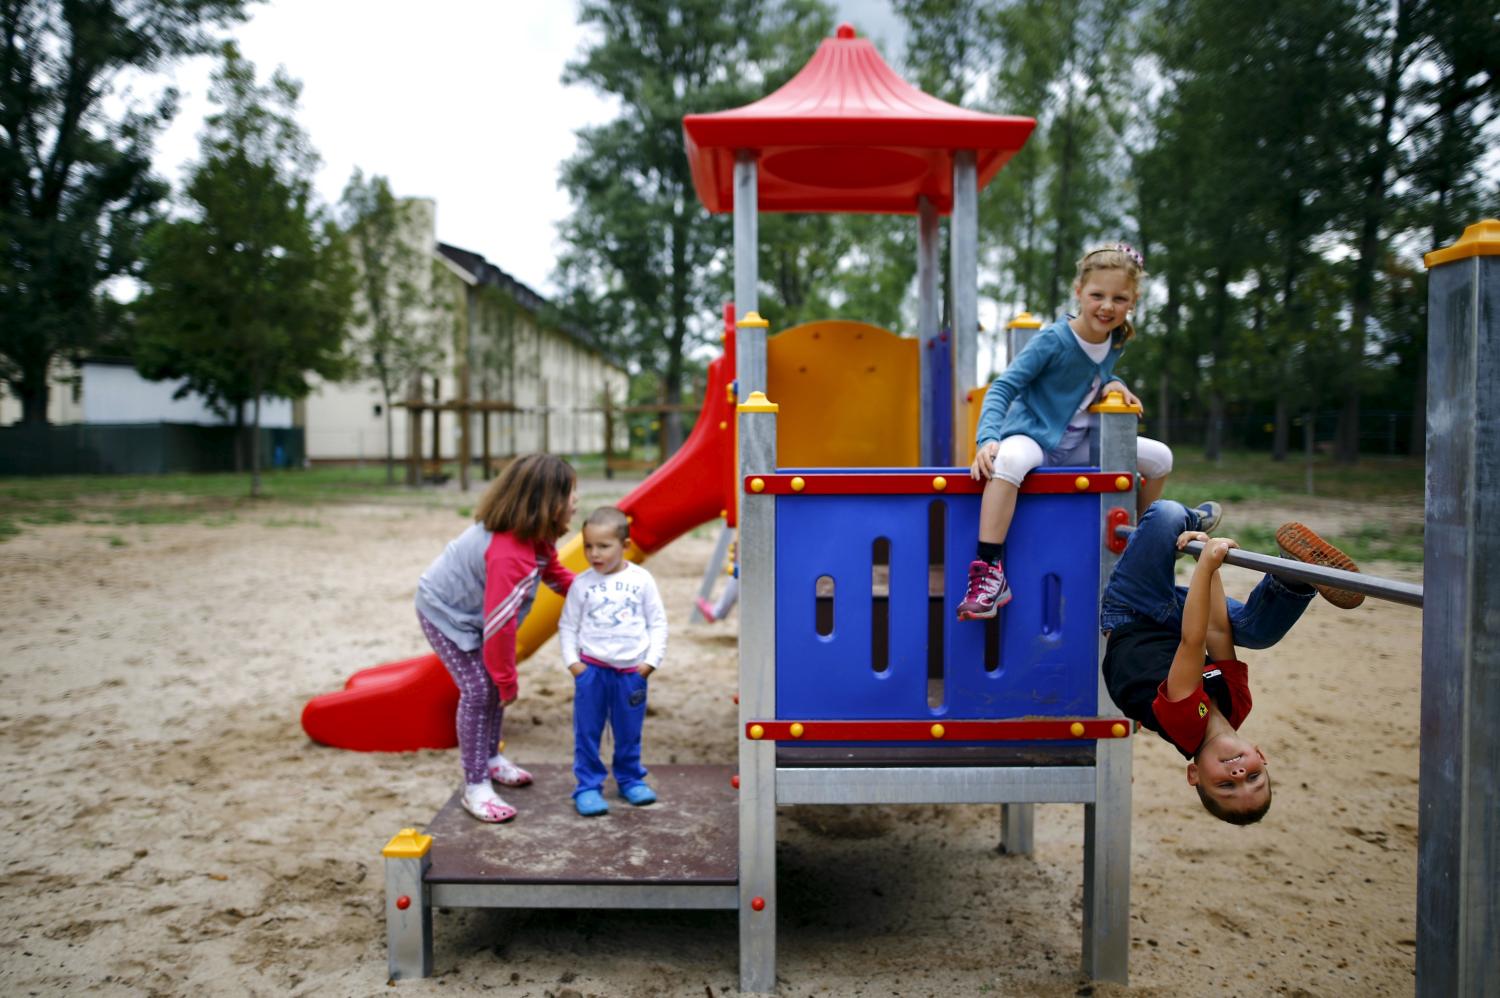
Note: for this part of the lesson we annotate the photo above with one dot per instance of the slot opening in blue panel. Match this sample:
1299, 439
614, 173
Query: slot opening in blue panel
823, 605
937, 612
993, 642
880, 604
1051, 605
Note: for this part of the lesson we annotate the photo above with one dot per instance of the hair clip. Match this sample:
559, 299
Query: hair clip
1131, 252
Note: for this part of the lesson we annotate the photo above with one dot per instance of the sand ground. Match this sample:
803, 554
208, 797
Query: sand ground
173, 831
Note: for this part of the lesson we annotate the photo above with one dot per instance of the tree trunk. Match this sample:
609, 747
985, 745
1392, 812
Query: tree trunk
34, 395
239, 438
1164, 406
255, 444
1214, 438
1281, 433
1373, 210
671, 423
390, 436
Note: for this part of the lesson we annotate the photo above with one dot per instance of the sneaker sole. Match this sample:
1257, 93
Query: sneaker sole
971, 615
1304, 545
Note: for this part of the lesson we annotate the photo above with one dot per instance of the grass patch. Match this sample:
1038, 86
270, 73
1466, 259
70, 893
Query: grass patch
1244, 475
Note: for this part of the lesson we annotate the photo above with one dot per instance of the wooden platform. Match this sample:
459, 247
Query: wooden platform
688, 839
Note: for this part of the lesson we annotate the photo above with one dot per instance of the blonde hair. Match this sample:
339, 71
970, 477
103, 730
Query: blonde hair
1115, 256
610, 518
529, 499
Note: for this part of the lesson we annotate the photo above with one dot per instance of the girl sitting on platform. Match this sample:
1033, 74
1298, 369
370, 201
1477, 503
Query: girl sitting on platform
472, 600
1036, 413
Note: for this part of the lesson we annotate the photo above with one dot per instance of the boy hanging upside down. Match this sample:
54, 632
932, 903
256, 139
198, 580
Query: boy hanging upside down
1170, 662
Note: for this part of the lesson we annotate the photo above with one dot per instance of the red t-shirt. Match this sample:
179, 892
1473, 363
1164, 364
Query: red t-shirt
1185, 721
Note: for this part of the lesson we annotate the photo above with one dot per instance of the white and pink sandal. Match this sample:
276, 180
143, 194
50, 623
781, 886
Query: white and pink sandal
489, 808
507, 773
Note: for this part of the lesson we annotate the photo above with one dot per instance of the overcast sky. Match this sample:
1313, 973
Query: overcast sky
462, 103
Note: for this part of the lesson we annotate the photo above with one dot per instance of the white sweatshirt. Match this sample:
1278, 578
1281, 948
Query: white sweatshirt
616, 618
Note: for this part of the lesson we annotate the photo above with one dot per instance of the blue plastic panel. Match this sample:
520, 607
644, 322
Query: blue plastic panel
1049, 645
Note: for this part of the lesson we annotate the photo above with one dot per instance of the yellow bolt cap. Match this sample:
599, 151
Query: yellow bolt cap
937, 731
756, 731
796, 729
757, 485
939, 483
1082, 482
723, 424
798, 484
1118, 731
1123, 483
1076, 729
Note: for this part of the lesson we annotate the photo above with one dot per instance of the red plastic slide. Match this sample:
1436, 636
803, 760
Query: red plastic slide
408, 705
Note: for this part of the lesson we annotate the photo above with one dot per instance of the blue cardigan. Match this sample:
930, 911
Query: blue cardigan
1042, 388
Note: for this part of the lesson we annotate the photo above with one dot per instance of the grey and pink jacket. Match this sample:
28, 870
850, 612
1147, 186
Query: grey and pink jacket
480, 589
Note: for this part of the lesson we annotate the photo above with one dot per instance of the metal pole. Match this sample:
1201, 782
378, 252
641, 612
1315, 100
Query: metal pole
927, 319
750, 350
964, 276
1458, 825
1371, 585
1106, 822
757, 759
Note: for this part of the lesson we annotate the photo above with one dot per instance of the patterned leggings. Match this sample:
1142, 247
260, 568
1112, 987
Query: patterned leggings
479, 710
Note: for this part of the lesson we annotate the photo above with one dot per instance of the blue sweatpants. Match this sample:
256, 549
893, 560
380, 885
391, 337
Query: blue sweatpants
608, 696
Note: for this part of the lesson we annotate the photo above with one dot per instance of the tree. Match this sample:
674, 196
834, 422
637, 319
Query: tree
643, 263
76, 191
402, 332
252, 291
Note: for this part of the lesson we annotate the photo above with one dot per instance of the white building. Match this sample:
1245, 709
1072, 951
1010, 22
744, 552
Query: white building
500, 351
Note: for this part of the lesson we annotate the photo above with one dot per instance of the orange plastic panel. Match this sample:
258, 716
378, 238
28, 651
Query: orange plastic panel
849, 396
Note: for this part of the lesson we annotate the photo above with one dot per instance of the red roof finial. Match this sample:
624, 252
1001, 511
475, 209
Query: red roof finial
846, 30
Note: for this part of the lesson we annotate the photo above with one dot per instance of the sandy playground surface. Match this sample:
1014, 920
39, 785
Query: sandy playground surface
173, 832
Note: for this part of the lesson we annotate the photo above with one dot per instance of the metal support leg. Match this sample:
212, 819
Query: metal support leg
408, 911
1106, 822
713, 571
1458, 826
757, 700
1016, 824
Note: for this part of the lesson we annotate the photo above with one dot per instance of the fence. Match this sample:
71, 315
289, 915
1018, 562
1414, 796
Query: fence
138, 448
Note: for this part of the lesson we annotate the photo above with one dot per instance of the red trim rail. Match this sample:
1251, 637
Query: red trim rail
957, 482
1017, 729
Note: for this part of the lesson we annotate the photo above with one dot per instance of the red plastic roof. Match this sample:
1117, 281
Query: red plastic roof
847, 134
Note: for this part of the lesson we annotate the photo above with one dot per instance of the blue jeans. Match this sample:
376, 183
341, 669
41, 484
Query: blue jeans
608, 696
1143, 587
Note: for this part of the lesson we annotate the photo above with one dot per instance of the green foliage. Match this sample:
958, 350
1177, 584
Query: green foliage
644, 266
76, 191
402, 327
251, 292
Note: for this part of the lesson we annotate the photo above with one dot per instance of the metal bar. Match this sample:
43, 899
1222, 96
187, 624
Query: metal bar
927, 322
1017, 824
1106, 822
935, 785
953, 481
713, 570
1319, 575
750, 359
664, 896
963, 275
1458, 801
1003, 730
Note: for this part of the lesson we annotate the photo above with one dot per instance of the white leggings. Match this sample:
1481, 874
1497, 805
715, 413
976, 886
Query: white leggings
1020, 455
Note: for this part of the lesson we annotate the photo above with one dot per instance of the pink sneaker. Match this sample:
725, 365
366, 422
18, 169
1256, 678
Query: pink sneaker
706, 608
988, 592
507, 773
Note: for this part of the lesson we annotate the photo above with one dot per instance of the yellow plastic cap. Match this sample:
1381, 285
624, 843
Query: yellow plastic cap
1024, 321
1076, 729
757, 402
1479, 239
798, 484
756, 731
752, 320
407, 844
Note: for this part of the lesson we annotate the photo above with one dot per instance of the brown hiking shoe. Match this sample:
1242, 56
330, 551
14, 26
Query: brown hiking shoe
1300, 542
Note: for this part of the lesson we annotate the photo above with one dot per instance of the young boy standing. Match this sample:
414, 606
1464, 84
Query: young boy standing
1170, 662
614, 634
